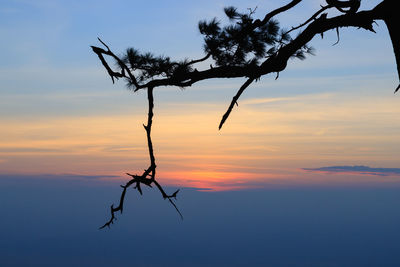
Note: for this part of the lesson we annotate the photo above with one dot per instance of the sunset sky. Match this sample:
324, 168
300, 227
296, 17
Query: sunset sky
62, 118
60, 113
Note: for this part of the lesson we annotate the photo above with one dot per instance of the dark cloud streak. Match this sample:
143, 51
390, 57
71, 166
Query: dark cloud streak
358, 170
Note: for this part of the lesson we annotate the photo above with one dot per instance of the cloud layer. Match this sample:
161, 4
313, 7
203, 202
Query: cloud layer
358, 170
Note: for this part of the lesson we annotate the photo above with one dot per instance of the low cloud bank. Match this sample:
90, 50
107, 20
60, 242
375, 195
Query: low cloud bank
358, 170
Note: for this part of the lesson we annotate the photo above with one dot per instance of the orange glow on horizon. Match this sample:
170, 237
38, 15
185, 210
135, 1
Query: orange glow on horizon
211, 180
261, 143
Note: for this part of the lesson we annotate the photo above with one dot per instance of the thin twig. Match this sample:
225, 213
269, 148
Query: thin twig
149, 172
338, 37
234, 101
275, 12
310, 19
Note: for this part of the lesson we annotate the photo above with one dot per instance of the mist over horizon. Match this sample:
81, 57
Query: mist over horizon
56, 221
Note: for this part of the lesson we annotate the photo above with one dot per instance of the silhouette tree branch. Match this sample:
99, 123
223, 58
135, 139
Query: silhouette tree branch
246, 48
386, 10
275, 12
148, 177
352, 5
234, 101
313, 17
124, 69
275, 63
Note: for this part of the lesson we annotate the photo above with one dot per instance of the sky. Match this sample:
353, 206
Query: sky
60, 113
326, 131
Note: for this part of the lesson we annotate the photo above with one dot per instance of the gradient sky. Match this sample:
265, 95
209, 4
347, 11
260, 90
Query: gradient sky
303, 173
60, 113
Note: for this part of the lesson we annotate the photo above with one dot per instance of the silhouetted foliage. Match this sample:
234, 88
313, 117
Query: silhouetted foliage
246, 47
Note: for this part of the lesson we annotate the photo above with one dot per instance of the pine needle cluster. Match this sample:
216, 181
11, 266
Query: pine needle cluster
241, 43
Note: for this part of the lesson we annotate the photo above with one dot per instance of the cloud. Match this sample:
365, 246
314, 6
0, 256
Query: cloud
58, 176
80, 176
29, 150
298, 98
357, 170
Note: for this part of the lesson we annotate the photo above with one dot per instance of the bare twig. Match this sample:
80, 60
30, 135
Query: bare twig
199, 60
275, 12
338, 37
113, 74
234, 101
310, 19
148, 176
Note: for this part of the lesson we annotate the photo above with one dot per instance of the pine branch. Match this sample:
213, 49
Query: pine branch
239, 50
234, 101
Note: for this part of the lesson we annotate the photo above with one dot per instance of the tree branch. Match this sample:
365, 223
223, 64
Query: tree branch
363, 19
234, 101
150, 171
199, 60
352, 5
124, 68
275, 12
388, 12
310, 19
275, 61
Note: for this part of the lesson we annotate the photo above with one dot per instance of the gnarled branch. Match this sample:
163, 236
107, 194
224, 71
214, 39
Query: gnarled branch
160, 71
148, 177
